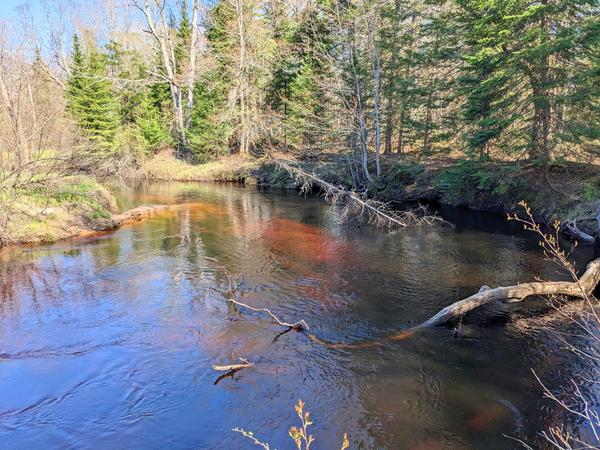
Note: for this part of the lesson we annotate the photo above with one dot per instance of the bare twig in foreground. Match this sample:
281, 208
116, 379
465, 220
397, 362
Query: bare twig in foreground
244, 364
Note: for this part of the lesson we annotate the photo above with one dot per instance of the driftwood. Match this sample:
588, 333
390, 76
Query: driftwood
243, 365
300, 325
136, 214
572, 229
376, 211
231, 369
582, 288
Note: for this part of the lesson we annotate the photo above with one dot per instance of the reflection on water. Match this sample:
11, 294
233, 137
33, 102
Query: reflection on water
108, 342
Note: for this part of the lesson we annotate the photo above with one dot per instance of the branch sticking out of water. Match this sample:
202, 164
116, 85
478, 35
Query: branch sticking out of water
244, 364
231, 369
376, 212
300, 325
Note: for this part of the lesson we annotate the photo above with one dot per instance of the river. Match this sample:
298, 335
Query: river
108, 341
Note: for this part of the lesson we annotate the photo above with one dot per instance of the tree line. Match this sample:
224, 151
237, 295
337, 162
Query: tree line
469, 79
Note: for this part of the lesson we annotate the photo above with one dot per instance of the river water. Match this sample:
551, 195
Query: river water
107, 342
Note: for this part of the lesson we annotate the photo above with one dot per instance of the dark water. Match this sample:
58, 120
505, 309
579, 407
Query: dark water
108, 342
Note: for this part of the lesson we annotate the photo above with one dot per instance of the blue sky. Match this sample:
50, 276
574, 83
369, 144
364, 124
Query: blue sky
7, 7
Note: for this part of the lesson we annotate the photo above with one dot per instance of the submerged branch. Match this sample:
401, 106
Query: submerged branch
376, 211
582, 288
231, 369
300, 325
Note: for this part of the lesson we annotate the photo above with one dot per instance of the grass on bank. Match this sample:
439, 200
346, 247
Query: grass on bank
165, 167
46, 213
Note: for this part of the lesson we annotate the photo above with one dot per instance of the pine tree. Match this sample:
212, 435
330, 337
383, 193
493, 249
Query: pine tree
183, 36
90, 97
294, 93
524, 63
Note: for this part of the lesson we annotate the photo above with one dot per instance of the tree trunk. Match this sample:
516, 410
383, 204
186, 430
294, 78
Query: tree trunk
242, 79
192, 64
540, 129
389, 129
427, 133
161, 33
376, 62
583, 288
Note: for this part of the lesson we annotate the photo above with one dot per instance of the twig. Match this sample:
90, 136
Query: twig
245, 364
231, 369
300, 325
250, 435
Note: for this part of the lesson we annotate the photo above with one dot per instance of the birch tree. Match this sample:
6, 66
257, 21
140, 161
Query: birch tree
156, 18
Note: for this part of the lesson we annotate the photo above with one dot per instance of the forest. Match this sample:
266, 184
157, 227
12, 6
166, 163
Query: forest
433, 286
479, 101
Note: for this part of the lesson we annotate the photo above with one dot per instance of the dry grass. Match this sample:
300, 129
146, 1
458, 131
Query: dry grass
72, 206
165, 167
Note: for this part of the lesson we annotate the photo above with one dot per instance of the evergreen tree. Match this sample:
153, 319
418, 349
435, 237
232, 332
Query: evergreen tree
211, 120
90, 97
183, 36
524, 63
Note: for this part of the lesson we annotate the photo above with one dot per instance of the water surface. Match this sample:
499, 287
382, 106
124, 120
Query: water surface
108, 342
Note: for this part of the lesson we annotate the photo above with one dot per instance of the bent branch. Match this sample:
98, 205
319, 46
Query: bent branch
582, 288
300, 325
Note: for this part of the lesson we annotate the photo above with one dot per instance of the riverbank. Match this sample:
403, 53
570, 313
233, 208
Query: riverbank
567, 192
80, 205
64, 208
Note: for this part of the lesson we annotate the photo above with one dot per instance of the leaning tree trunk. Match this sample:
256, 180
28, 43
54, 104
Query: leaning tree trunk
582, 288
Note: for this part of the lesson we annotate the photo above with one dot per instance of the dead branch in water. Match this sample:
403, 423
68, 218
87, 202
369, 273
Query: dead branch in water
300, 325
243, 365
376, 212
582, 288
137, 214
231, 369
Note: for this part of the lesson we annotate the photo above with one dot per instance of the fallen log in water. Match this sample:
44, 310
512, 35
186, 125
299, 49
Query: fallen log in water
582, 288
376, 212
137, 214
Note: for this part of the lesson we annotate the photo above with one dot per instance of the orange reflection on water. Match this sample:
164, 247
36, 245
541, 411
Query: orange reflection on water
305, 242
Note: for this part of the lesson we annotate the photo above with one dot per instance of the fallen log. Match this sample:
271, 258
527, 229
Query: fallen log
582, 288
376, 212
136, 214
571, 228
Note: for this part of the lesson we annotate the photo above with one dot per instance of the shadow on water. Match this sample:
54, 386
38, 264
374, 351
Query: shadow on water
108, 342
